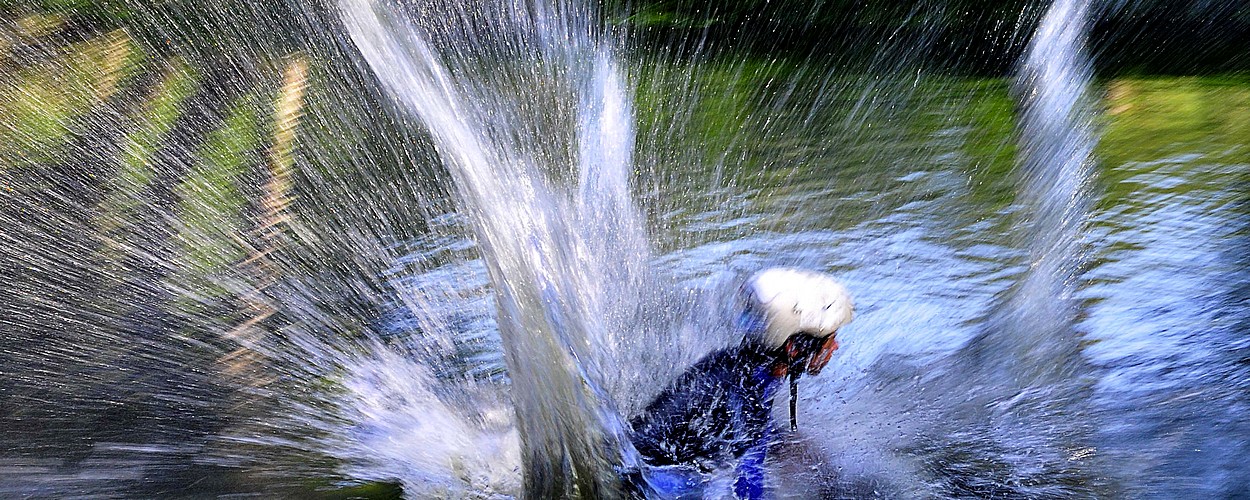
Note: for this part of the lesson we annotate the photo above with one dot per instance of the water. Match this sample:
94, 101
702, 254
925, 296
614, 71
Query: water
501, 229
558, 263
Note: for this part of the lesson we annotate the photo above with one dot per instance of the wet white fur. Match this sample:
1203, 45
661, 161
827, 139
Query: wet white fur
797, 301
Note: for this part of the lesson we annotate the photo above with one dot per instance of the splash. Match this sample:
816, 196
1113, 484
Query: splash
1056, 177
1029, 372
230, 267
567, 264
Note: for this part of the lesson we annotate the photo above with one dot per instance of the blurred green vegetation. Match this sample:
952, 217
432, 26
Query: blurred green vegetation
100, 12
367, 491
146, 132
150, 125
983, 36
778, 128
39, 103
1145, 36
1154, 117
211, 205
781, 128
1154, 121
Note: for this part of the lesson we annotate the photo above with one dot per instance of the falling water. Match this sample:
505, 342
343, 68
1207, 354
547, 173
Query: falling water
531, 232
1056, 149
1026, 366
567, 264
1031, 343
1004, 412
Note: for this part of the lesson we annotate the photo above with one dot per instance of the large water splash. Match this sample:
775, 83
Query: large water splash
1030, 374
531, 236
165, 335
1057, 140
568, 264
1005, 413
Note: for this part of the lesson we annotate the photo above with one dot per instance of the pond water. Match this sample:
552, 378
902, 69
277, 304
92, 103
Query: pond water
161, 338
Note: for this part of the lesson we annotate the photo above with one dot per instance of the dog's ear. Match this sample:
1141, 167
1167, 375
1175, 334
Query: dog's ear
792, 349
822, 357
